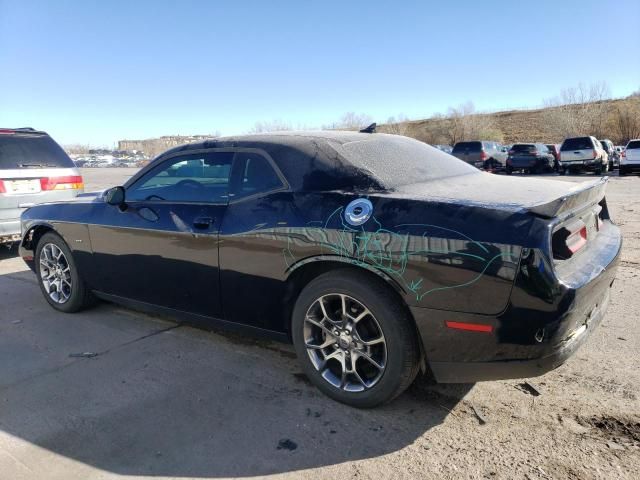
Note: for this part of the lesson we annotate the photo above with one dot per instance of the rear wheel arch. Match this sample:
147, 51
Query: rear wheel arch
301, 275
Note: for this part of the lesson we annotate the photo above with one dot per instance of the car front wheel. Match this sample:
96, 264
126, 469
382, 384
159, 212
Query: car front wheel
354, 338
58, 275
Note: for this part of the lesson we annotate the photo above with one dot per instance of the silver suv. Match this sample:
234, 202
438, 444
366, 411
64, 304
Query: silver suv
33, 169
583, 153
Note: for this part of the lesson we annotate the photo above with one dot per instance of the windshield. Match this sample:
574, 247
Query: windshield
31, 151
461, 147
395, 160
633, 145
579, 143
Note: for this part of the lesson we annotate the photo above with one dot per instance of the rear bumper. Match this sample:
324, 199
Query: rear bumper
9, 230
582, 164
546, 321
461, 372
630, 167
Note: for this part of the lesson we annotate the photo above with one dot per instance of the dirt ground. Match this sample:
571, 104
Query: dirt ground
160, 400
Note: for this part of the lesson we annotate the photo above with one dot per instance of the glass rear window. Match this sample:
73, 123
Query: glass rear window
32, 151
393, 160
633, 145
462, 147
578, 143
523, 148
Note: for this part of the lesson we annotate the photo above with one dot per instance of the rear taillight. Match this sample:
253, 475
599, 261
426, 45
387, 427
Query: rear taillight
569, 239
483, 156
2, 189
71, 182
577, 240
595, 154
624, 154
5, 131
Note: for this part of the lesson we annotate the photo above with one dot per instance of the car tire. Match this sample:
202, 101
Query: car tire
621, 171
58, 275
597, 170
388, 324
509, 170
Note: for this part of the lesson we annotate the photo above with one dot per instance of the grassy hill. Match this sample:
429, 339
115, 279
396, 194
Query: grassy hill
546, 125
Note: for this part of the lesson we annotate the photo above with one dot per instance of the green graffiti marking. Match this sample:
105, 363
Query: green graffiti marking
368, 249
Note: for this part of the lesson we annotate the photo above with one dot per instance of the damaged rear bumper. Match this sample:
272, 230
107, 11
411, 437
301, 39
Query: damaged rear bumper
466, 372
546, 320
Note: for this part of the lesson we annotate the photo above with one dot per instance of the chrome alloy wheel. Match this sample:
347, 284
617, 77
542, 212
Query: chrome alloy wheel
55, 273
345, 342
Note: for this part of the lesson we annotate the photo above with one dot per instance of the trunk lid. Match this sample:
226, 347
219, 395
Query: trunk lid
541, 197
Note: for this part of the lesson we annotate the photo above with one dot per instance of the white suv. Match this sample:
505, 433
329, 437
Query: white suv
583, 153
630, 159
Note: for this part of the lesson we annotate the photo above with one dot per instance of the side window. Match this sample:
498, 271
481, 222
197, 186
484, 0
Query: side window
200, 178
256, 175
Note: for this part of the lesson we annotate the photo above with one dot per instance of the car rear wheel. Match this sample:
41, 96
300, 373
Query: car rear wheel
355, 340
58, 275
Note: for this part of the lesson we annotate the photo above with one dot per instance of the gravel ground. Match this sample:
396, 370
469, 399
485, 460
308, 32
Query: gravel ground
167, 401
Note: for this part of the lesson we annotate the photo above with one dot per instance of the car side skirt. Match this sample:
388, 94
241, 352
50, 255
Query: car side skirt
200, 321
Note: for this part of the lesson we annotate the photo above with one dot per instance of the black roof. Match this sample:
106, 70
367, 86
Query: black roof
343, 160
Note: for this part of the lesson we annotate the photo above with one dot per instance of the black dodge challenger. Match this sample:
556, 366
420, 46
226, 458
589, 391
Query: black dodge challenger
376, 255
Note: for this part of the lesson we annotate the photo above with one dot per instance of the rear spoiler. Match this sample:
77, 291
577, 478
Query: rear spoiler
586, 193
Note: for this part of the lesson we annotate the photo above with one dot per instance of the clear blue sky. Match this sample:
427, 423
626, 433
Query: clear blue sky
98, 71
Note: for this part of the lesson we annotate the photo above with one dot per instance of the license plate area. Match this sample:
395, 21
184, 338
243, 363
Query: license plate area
21, 187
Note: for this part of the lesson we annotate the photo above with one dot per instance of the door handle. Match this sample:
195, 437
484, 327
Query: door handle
203, 222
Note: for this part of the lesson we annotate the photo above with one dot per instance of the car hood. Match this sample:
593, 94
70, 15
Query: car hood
546, 198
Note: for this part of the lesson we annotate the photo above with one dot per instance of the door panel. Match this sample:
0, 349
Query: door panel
162, 246
170, 261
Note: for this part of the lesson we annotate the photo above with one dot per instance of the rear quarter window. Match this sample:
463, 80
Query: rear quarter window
32, 151
523, 148
633, 145
578, 143
462, 147
393, 161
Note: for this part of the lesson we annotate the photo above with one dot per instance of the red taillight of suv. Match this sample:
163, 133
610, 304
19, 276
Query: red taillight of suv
595, 154
483, 155
2, 189
71, 182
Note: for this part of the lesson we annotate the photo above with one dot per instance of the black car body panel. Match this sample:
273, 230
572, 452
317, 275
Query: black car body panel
447, 242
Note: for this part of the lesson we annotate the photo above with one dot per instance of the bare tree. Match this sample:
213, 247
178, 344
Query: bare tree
625, 120
350, 121
396, 126
463, 123
579, 110
270, 126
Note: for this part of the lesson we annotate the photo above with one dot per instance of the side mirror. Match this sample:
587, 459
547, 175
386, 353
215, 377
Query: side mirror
115, 196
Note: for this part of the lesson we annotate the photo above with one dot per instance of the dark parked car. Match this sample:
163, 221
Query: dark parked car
529, 158
484, 154
555, 151
377, 255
